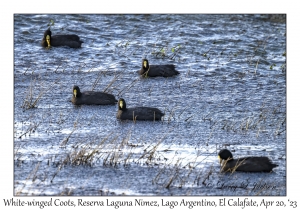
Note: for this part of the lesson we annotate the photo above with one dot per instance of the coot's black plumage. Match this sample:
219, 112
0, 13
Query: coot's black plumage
60, 40
92, 98
157, 70
246, 164
137, 113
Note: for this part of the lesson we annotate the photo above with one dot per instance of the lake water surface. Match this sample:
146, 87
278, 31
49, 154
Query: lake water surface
230, 93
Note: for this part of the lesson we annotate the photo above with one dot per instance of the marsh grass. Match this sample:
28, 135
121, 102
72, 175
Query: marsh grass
264, 121
65, 141
108, 151
31, 177
82, 156
231, 170
83, 153
104, 73
128, 87
32, 98
173, 173
31, 129
206, 177
162, 50
113, 150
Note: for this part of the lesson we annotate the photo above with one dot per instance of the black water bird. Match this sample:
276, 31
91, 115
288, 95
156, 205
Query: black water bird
137, 113
245, 164
157, 70
71, 40
92, 97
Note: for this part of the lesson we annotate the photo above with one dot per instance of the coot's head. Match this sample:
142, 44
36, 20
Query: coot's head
145, 64
121, 104
76, 91
225, 154
47, 37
